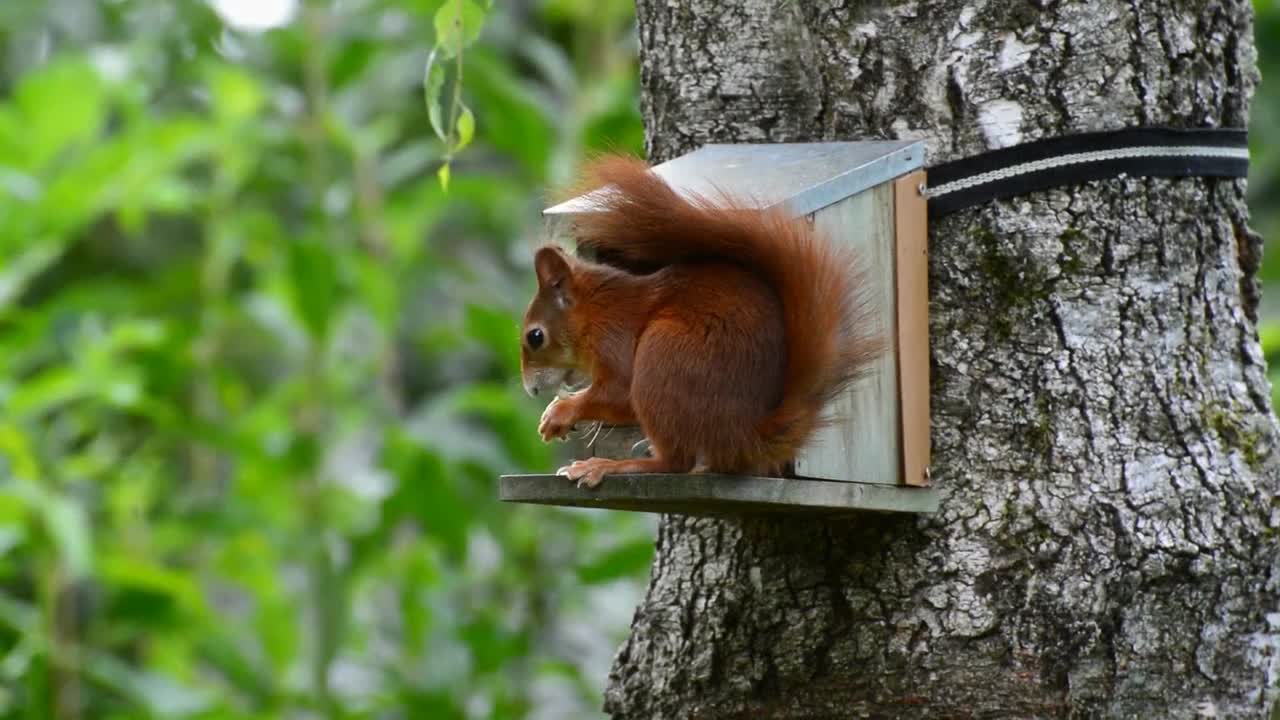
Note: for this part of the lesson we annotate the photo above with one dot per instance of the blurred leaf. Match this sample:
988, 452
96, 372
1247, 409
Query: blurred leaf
158, 694
513, 119
19, 272
235, 93
426, 494
133, 573
64, 521
313, 277
624, 561
18, 453
62, 105
1269, 334
491, 646
407, 161
69, 526
457, 24
509, 416
432, 705
499, 332
10, 538
351, 60
46, 391
432, 87
466, 128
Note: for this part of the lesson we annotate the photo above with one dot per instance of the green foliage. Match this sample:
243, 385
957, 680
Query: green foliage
457, 25
1264, 177
258, 371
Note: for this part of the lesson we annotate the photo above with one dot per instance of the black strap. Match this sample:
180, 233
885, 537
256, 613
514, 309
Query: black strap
1071, 159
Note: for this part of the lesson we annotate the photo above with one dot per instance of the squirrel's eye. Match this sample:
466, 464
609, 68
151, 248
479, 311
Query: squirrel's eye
535, 337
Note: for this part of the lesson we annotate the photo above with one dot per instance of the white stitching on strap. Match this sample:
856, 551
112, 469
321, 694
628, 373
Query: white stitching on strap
1087, 157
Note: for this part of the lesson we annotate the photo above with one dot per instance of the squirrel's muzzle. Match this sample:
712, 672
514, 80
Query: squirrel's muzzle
548, 381
543, 381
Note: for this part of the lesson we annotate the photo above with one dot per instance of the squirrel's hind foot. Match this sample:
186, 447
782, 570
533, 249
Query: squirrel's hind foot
590, 473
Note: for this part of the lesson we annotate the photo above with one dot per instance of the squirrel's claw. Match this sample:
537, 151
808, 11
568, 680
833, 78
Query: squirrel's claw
557, 420
585, 473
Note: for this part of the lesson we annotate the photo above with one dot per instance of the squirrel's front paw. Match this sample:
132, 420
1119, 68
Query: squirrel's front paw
557, 420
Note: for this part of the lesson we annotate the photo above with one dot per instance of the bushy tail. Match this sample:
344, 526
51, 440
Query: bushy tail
640, 222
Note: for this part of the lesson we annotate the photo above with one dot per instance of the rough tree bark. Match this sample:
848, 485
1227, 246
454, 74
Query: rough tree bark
1103, 436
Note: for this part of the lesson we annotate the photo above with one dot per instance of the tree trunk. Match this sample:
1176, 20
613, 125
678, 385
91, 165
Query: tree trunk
1103, 439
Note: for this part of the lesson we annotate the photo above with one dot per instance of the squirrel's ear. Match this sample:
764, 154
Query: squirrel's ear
552, 267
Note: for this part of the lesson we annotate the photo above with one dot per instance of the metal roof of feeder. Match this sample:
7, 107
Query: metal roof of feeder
805, 176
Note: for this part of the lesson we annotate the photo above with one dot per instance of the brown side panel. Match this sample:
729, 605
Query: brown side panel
911, 224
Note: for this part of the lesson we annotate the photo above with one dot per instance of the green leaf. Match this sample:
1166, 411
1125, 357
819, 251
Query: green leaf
235, 94
443, 175
167, 698
517, 120
433, 87
623, 561
377, 283
69, 526
17, 452
160, 695
1269, 335
426, 494
458, 24
499, 330
509, 416
46, 391
63, 104
491, 644
313, 276
466, 129
10, 538
65, 522
140, 575
137, 333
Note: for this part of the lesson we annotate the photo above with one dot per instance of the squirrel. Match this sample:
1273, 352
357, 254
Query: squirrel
720, 329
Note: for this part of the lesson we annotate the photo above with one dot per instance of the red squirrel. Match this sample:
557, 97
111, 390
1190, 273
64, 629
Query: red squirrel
723, 331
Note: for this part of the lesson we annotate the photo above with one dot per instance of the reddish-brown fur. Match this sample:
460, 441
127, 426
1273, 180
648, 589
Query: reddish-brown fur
725, 355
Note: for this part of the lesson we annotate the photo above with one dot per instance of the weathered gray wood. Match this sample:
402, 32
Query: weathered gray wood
1103, 443
708, 494
864, 445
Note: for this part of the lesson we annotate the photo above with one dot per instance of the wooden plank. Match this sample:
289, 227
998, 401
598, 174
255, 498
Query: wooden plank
707, 494
911, 221
864, 446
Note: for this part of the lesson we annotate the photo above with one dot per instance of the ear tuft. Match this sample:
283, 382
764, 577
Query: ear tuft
552, 266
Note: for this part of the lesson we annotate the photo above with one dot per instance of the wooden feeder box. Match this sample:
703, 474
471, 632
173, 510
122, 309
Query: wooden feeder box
862, 194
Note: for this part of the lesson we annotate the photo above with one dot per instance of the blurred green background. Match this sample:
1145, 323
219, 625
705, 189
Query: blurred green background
258, 365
